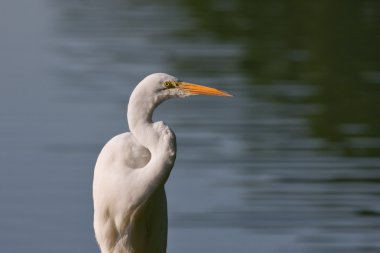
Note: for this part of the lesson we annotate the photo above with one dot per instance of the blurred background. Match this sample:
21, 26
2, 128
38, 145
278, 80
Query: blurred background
291, 164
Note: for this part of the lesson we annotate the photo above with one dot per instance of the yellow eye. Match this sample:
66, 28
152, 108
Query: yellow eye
167, 84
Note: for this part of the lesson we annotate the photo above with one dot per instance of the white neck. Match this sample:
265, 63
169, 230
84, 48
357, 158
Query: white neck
140, 111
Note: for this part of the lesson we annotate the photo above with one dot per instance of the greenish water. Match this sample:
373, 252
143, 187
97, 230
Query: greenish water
290, 164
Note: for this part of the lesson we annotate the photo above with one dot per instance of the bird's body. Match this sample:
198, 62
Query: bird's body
116, 184
130, 209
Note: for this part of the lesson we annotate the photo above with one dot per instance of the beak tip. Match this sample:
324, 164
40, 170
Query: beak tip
227, 94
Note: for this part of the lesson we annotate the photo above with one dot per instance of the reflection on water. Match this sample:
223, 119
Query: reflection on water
332, 48
291, 164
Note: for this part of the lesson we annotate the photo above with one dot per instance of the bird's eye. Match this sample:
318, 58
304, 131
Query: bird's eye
167, 84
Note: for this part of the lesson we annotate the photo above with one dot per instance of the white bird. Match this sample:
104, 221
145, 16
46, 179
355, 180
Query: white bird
130, 209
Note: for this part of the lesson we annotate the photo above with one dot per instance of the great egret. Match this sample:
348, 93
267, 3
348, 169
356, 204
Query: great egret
130, 210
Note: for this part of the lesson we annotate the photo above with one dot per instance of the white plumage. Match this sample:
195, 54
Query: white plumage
130, 210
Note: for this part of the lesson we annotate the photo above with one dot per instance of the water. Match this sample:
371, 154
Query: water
291, 164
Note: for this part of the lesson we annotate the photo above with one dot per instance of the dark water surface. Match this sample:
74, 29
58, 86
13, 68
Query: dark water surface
291, 164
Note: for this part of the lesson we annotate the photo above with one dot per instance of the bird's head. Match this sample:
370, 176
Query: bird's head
164, 86
156, 88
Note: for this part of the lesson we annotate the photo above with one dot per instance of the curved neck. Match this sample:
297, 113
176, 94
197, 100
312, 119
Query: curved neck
156, 137
140, 112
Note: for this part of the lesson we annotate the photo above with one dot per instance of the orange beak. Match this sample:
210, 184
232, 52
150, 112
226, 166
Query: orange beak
195, 89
